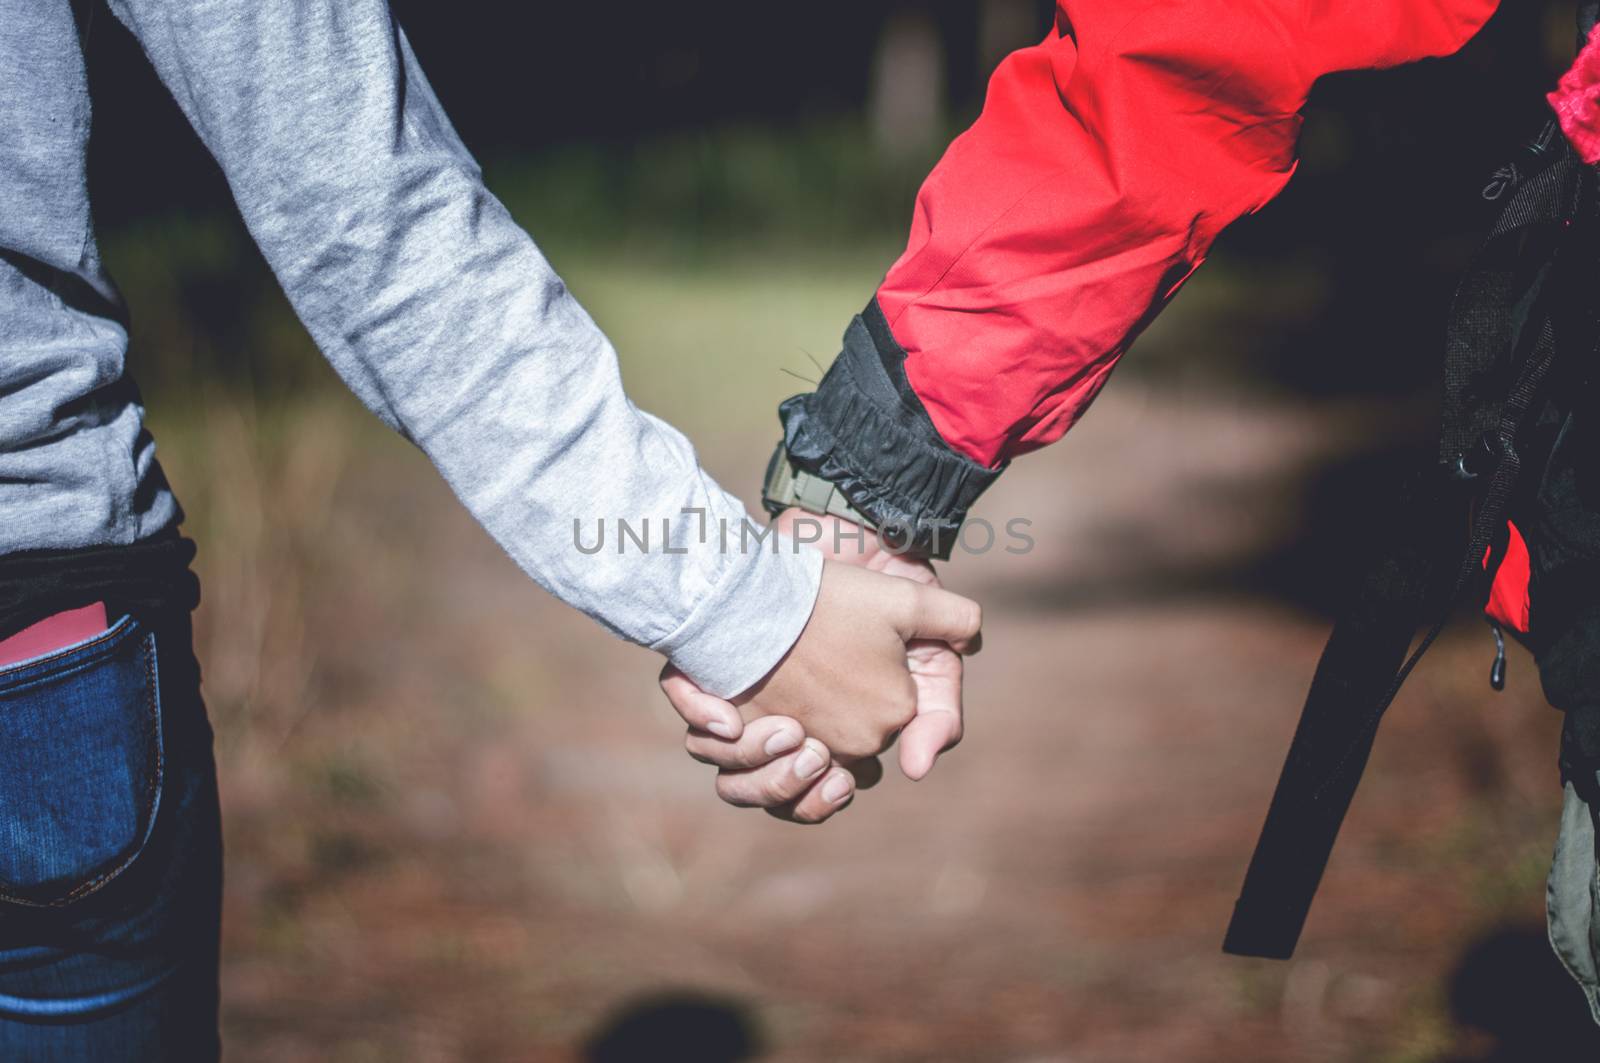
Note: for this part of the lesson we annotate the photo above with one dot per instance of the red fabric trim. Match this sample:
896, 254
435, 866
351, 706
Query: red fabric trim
1509, 602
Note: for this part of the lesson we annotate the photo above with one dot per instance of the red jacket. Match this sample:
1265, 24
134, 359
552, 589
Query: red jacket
1106, 160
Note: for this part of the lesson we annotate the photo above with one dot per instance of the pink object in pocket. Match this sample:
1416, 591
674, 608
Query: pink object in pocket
54, 633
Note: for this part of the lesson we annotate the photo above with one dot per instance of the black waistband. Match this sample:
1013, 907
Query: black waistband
151, 577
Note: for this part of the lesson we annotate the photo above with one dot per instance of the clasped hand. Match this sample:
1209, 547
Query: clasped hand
879, 659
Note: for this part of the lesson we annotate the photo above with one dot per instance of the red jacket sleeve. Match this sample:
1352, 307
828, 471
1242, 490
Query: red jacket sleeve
1105, 162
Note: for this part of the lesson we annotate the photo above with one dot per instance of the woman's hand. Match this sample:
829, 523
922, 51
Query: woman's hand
771, 762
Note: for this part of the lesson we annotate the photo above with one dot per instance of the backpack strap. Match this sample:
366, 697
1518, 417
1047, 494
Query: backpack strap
1501, 346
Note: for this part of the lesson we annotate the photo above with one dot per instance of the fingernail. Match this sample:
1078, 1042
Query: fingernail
809, 762
782, 740
836, 789
721, 728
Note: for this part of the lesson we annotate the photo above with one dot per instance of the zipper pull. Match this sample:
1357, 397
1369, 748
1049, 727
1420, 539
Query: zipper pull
1497, 671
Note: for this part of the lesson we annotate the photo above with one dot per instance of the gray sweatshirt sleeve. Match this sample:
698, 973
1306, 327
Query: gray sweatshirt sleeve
444, 318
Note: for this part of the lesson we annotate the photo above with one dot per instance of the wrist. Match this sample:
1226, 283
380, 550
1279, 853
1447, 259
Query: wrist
748, 621
793, 493
865, 433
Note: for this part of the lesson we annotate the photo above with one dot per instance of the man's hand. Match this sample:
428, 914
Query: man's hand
841, 540
847, 679
935, 667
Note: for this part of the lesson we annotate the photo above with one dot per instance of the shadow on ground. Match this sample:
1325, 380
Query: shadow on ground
1510, 994
677, 1025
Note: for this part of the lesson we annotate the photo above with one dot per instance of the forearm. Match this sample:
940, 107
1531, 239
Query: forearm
442, 315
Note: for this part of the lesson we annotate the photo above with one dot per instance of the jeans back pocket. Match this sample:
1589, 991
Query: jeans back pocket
81, 762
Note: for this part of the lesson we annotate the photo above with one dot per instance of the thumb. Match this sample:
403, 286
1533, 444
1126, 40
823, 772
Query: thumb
702, 711
935, 613
924, 738
937, 726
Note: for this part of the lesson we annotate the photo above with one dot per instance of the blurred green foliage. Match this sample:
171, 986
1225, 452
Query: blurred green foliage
723, 263
733, 203
709, 192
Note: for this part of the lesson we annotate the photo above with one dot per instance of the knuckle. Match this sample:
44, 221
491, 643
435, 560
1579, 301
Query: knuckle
852, 750
908, 599
903, 599
776, 791
699, 749
732, 791
807, 817
859, 744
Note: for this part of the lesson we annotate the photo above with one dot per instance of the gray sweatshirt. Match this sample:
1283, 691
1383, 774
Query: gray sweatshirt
429, 301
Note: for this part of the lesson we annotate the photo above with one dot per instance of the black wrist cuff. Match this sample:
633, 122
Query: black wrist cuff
865, 431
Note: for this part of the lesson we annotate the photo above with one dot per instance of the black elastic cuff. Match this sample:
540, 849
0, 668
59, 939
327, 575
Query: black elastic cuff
864, 431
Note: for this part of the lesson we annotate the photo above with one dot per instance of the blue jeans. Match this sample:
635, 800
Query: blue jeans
110, 853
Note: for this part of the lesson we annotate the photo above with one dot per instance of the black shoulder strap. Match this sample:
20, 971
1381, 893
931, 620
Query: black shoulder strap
1501, 345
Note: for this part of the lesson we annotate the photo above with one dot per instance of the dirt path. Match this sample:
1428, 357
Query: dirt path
484, 843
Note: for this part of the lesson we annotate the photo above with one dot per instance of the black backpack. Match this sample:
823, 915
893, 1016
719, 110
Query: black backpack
1527, 304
